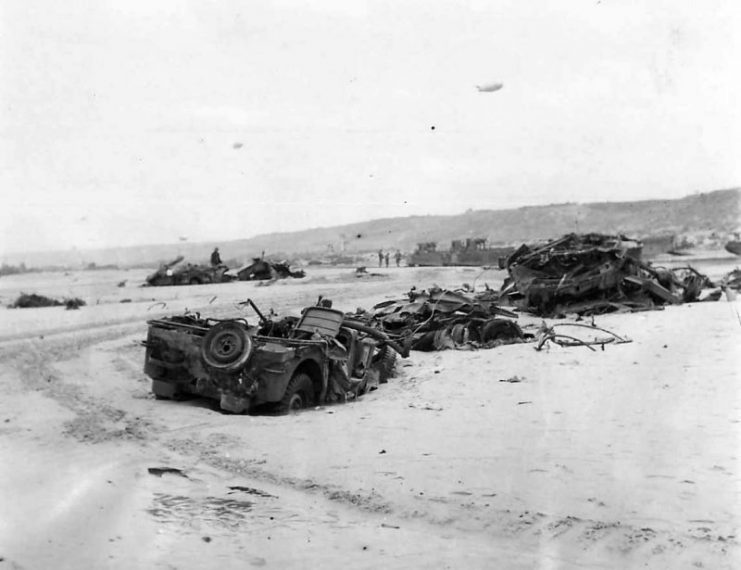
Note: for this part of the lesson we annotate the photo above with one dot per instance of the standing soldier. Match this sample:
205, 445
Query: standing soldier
397, 257
380, 257
387, 259
215, 257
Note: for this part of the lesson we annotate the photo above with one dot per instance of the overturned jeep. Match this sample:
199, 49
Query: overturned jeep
276, 365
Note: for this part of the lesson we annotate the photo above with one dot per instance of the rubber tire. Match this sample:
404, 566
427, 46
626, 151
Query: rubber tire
299, 394
500, 329
227, 346
194, 281
384, 362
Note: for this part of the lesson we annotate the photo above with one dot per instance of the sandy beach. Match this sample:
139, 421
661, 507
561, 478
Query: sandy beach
625, 457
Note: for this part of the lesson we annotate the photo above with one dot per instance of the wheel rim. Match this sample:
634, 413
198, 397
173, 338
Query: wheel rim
226, 346
296, 402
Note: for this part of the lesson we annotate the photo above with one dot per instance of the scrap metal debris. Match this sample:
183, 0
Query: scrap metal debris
548, 333
512, 380
590, 274
441, 319
732, 280
160, 471
33, 300
261, 269
178, 272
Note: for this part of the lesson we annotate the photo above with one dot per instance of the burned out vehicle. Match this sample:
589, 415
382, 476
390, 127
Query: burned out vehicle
176, 272
593, 274
261, 269
283, 365
441, 319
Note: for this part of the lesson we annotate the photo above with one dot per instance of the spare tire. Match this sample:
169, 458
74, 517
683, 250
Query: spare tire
227, 346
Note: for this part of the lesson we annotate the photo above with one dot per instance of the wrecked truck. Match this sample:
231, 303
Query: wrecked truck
277, 365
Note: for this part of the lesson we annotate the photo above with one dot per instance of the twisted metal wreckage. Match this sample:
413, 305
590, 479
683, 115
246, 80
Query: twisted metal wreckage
178, 272
593, 274
439, 319
324, 355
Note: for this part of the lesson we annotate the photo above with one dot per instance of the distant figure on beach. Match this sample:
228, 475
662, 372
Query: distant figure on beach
397, 257
215, 257
380, 257
386, 257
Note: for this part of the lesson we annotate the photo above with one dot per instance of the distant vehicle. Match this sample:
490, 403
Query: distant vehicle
475, 252
178, 273
427, 255
285, 364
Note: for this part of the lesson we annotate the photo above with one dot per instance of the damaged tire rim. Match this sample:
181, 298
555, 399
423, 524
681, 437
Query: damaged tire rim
227, 346
296, 402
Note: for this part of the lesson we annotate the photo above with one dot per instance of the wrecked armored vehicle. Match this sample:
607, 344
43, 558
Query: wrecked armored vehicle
439, 319
593, 274
261, 269
178, 273
284, 365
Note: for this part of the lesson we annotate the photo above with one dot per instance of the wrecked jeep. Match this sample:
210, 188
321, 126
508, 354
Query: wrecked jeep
178, 273
278, 365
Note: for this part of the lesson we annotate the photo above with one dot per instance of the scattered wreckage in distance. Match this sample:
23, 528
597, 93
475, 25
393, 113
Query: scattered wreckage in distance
176, 272
261, 269
588, 274
284, 364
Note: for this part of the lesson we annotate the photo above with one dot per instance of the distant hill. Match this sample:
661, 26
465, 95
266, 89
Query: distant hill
718, 211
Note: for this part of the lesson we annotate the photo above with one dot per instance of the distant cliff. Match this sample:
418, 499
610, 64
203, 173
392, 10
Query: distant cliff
718, 211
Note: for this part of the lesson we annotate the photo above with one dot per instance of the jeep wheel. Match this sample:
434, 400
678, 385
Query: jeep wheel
226, 346
194, 281
385, 362
299, 394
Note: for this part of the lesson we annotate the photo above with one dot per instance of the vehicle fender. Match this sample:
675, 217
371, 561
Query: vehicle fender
273, 381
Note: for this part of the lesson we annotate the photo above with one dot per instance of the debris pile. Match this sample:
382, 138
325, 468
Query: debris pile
549, 334
440, 319
33, 300
590, 274
732, 280
176, 272
261, 269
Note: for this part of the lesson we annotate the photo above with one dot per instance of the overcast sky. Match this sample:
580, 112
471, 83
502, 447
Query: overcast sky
139, 121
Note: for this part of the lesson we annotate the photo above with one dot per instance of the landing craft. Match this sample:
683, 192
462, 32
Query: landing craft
490, 87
